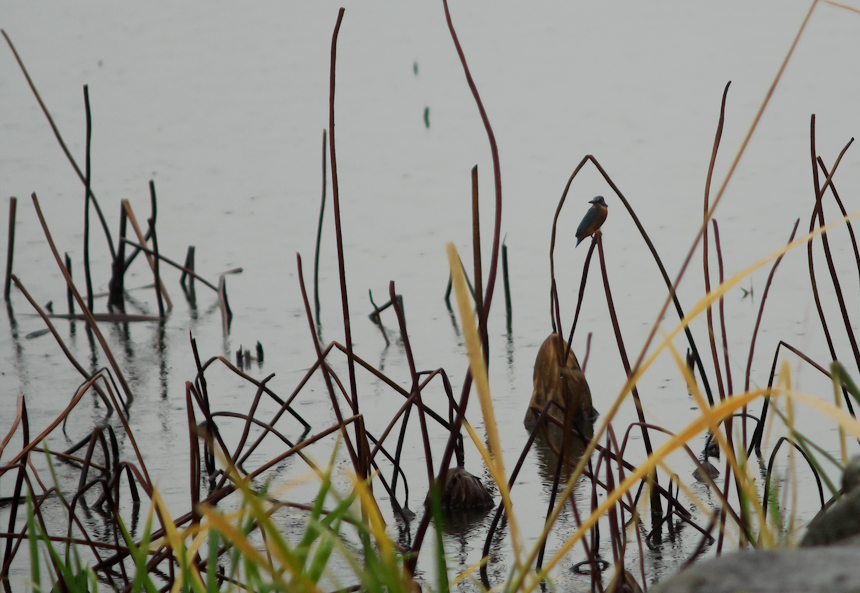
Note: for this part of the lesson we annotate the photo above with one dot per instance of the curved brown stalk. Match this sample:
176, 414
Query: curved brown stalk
285, 404
425, 437
87, 192
10, 246
656, 507
729, 385
720, 193
62, 144
844, 214
250, 417
621, 477
673, 298
755, 442
183, 269
335, 196
709, 313
582, 283
511, 481
18, 415
51, 328
677, 508
227, 489
819, 210
410, 564
814, 284
326, 371
87, 313
758, 324
730, 389
797, 446
319, 240
256, 383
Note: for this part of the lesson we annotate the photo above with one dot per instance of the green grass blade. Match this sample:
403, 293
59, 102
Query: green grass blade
212, 563
840, 373
35, 575
441, 565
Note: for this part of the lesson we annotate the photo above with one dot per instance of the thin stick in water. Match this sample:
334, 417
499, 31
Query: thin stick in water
709, 312
87, 193
341, 264
10, 246
507, 284
152, 219
70, 298
126, 205
476, 260
656, 507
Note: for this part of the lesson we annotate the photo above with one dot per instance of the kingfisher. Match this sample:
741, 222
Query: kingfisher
592, 220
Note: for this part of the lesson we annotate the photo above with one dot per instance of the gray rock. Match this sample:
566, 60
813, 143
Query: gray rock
841, 521
851, 475
833, 569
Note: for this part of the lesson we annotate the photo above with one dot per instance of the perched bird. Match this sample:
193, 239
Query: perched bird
592, 220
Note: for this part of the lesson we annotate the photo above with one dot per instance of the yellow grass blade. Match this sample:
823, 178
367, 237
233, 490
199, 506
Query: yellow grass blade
501, 482
176, 541
688, 492
482, 386
720, 411
238, 539
741, 477
475, 354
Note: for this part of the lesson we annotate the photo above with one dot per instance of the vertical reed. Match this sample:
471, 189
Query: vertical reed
10, 247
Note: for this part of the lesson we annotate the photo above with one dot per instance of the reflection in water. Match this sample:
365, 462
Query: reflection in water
135, 518
94, 353
454, 322
122, 335
20, 366
189, 290
547, 443
509, 348
464, 530
404, 534
162, 352
383, 354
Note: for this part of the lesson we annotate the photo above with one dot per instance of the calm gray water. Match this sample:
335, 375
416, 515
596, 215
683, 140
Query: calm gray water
224, 108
